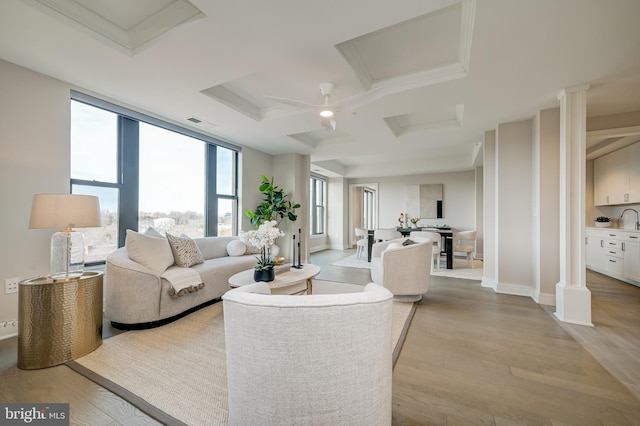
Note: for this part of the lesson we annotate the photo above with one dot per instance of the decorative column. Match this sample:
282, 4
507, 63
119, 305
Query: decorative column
573, 298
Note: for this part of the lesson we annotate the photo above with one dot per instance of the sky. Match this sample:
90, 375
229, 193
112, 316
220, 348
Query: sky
172, 166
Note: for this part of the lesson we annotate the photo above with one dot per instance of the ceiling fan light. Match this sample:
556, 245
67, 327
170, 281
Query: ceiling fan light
326, 113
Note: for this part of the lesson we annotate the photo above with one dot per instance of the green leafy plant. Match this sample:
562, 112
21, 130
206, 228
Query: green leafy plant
275, 205
602, 219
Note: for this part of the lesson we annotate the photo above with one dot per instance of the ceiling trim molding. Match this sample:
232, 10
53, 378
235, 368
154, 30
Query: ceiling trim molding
428, 77
350, 52
234, 101
129, 41
304, 139
467, 18
451, 71
454, 123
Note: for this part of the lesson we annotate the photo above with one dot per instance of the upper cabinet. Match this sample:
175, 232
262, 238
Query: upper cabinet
617, 177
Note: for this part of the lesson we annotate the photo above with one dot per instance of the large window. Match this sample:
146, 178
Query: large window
149, 173
317, 205
172, 182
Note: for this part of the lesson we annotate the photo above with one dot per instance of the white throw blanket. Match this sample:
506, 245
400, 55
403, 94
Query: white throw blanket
182, 280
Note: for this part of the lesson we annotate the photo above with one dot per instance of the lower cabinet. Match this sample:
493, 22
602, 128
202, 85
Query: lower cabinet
631, 252
614, 252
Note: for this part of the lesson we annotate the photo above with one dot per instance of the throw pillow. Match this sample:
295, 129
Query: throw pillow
185, 251
408, 242
236, 248
253, 249
393, 246
152, 252
152, 232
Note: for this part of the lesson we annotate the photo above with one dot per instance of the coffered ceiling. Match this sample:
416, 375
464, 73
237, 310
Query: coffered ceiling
430, 76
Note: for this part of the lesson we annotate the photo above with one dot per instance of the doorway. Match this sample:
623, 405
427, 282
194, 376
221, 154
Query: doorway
363, 208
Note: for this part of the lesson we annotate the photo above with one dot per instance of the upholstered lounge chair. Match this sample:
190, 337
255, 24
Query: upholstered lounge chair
322, 359
403, 269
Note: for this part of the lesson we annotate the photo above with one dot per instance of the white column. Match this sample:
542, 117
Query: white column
573, 298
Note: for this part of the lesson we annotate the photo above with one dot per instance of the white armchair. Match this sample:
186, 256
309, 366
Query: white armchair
322, 359
403, 269
436, 239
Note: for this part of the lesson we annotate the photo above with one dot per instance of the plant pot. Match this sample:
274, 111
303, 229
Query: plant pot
603, 224
265, 275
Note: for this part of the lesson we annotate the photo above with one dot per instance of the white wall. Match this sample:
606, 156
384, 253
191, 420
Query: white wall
479, 177
292, 174
514, 208
34, 158
253, 165
490, 252
458, 197
546, 199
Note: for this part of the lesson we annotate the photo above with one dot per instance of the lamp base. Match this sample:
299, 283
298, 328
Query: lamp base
67, 255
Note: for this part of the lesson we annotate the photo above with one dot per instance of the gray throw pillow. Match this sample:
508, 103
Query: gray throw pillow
185, 251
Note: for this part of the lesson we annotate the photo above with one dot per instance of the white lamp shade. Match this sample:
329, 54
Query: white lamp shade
64, 210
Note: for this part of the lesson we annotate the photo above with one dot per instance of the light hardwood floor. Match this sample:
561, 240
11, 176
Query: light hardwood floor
471, 357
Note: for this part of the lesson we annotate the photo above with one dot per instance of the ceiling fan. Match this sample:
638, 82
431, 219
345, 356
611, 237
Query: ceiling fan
327, 110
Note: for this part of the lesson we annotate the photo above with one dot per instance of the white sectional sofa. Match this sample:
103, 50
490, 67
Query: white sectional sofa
139, 293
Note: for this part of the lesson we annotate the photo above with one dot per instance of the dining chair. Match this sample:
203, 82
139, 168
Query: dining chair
361, 240
465, 242
386, 234
437, 244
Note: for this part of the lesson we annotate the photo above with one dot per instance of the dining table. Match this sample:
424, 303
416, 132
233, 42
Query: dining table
446, 235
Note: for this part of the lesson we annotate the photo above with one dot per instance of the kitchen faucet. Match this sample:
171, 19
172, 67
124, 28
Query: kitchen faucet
637, 217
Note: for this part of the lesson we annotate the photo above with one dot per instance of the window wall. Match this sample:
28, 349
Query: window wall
317, 205
148, 173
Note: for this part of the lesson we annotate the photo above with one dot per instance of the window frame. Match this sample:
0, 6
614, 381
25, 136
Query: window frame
127, 182
314, 206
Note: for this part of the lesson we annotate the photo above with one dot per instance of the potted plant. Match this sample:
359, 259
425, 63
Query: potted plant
602, 222
263, 237
274, 207
414, 221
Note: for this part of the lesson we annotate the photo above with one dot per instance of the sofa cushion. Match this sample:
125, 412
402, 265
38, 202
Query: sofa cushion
152, 232
185, 251
236, 248
153, 252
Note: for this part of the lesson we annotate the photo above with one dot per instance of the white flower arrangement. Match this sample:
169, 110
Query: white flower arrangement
263, 237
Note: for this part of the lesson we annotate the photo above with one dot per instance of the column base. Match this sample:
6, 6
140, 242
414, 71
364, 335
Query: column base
573, 304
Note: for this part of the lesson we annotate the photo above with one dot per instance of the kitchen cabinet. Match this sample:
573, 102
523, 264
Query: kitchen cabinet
631, 251
617, 177
614, 252
595, 258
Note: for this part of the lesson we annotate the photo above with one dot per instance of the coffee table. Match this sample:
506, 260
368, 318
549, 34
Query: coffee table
288, 282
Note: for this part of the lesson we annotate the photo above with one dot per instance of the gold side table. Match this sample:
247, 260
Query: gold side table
58, 321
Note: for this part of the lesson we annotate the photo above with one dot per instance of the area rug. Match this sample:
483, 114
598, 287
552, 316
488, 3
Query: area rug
177, 373
354, 262
460, 269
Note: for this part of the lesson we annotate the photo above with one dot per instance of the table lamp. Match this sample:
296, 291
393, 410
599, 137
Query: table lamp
65, 211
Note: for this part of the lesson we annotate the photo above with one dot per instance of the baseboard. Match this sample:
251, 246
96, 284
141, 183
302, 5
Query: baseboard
544, 298
514, 289
8, 329
489, 283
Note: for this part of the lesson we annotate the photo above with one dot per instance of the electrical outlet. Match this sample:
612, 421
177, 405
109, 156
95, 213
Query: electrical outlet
11, 285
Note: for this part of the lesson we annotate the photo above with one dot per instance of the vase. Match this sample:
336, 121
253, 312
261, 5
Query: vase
265, 275
603, 224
